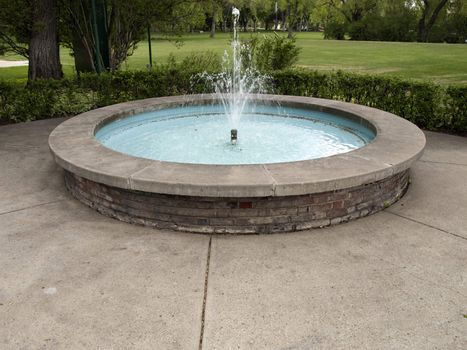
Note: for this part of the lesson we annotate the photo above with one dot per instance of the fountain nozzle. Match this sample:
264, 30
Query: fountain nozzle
233, 136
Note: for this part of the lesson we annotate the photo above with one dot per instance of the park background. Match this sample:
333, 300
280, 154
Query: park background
407, 57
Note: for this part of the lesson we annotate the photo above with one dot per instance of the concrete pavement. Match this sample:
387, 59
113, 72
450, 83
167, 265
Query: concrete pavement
7, 64
71, 278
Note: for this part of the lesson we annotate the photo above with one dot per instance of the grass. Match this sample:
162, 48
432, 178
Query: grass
440, 63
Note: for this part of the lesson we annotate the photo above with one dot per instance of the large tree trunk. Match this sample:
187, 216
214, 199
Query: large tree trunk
425, 27
422, 33
44, 58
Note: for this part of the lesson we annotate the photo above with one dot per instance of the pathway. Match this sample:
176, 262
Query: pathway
71, 278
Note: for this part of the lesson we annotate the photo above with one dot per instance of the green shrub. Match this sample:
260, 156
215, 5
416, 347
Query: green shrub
42, 99
335, 30
270, 52
456, 109
428, 105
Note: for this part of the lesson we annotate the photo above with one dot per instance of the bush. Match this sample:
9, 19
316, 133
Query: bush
43, 99
271, 52
428, 105
456, 111
335, 30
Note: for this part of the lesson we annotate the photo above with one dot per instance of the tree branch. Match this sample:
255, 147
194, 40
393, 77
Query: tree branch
435, 14
13, 46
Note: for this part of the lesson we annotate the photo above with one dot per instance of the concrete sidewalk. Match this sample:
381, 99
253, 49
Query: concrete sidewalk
71, 278
7, 64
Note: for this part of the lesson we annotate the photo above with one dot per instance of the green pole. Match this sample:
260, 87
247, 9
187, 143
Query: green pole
150, 47
96, 37
101, 20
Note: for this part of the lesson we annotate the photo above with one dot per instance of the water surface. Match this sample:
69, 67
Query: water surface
266, 134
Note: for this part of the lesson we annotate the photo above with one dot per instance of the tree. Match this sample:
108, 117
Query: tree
44, 50
214, 11
126, 23
396, 21
30, 29
353, 14
15, 26
354, 10
292, 13
455, 23
430, 11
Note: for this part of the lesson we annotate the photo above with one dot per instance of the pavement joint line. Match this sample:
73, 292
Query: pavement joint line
427, 225
205, 294
32, 206
437, 162
19, 146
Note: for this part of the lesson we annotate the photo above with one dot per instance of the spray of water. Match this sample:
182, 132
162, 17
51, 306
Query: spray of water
235, 84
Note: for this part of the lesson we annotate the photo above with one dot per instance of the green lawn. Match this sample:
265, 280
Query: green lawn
441, 63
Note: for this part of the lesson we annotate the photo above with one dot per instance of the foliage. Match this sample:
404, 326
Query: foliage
15, 26
421, 103
456, 111
43, 99
271, 52
126, 23
428, 105
335, 30
397, 20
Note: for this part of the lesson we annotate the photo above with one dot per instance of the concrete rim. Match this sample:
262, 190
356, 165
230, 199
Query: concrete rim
397, 145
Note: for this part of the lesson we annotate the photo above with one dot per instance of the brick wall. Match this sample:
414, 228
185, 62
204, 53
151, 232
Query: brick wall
239, 215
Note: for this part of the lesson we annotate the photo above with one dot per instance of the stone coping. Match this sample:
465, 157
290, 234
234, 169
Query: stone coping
397, 145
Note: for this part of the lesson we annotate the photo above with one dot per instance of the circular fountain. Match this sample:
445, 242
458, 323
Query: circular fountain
238, 197
237, 161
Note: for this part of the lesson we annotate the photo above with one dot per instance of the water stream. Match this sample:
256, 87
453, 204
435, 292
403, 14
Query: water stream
236, 82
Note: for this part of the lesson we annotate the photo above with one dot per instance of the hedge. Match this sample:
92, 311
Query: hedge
428, 105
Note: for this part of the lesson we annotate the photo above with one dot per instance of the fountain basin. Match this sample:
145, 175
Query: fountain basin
200, 134
245, 198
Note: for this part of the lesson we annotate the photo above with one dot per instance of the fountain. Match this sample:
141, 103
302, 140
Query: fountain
236, 83
299, 163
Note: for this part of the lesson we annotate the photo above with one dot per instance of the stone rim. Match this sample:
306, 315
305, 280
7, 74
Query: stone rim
397, 145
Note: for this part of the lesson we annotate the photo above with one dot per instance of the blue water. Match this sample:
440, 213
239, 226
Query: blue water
201, 134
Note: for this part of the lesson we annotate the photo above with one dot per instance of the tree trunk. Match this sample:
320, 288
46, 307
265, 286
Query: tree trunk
213, 28
44, 58
213, 23
289, 22
422, 34
425, 27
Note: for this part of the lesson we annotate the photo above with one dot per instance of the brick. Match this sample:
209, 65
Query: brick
237, 215
338, 204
